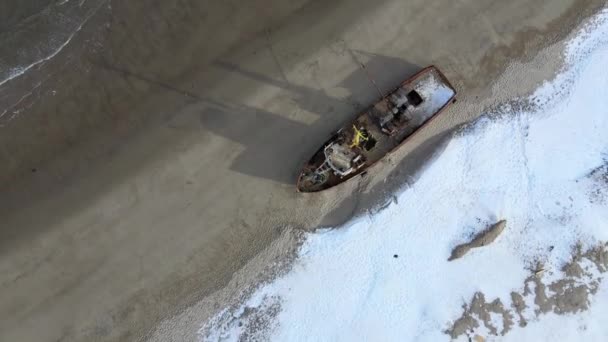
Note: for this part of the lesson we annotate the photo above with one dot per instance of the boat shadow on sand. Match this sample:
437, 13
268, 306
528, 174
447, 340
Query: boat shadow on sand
269, 152
276, 146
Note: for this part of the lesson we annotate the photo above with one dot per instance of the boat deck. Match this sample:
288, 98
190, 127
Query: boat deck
436, 95
421, 97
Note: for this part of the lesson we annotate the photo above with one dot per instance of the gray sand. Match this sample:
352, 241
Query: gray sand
155, 155
482, 239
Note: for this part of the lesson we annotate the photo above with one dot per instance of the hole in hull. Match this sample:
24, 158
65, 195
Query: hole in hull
414, 98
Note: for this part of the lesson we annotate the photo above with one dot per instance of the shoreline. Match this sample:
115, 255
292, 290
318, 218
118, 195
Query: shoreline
561, 301
163, 227
282, 253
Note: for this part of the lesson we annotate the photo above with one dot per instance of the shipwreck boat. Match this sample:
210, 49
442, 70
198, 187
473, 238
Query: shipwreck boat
381, 129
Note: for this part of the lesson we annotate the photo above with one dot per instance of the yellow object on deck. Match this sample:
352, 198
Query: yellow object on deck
359, 136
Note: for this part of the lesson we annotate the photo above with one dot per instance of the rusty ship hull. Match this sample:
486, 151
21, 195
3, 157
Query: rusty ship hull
378, 131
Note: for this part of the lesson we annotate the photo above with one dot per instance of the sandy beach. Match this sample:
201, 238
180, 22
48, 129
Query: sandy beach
150, 150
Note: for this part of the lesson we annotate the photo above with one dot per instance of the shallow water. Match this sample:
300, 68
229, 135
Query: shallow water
35, 31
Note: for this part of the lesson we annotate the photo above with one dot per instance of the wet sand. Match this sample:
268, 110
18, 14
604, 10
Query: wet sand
155, 155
